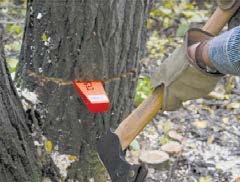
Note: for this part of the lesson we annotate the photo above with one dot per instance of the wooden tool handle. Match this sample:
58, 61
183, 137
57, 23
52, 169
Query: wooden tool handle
139, 118
219, 19
143, 114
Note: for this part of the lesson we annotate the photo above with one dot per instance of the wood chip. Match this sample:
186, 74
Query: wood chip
200, 124
174, 135
172, 147
233, 106
153, 157
216, 95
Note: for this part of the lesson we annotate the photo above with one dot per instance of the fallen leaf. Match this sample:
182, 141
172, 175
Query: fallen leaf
230, 84
233, 105
204, 179
225, 120
207, 108
192, 146
226, 97
72, 157
238, 118
174, 135
210, 139
44, 37
164, 140
48, 146
200, 124
172, 147
153, 157
167, 126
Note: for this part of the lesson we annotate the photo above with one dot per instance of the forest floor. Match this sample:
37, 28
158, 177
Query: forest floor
210, 138
208, 130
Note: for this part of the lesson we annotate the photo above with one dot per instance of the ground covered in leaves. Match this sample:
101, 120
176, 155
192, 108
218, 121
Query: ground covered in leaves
208, 132
200, 141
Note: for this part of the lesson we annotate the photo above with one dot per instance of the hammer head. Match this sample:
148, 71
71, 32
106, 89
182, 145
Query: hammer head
113, 158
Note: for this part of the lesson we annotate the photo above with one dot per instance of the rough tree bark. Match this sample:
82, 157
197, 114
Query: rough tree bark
18, 160
81, 40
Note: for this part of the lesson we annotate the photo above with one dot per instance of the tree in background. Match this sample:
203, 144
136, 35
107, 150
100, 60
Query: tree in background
235, 20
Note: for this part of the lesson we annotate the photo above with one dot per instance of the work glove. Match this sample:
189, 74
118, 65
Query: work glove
183, 79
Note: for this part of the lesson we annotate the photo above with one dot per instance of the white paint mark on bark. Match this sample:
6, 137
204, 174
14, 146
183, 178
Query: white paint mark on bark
62, 162
39, 16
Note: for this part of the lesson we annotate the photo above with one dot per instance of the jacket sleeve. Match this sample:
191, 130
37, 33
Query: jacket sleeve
224, 52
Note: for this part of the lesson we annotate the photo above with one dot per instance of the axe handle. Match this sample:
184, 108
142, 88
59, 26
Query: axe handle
219, 19
143, 114
139, 118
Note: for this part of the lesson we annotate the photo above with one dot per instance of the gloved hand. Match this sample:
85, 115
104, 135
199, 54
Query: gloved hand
182, 78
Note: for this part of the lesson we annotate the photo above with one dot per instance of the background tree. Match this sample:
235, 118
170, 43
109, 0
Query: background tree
235, 20
81, 40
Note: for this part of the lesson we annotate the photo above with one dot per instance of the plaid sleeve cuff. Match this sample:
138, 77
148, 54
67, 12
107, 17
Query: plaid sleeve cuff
224, 52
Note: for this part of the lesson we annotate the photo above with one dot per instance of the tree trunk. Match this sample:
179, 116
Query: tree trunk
82, 40
17, 154
235, 20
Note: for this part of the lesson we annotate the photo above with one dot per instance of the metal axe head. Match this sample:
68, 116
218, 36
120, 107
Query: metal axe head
113, 158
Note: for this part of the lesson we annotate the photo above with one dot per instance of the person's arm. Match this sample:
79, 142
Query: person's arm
221, 53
